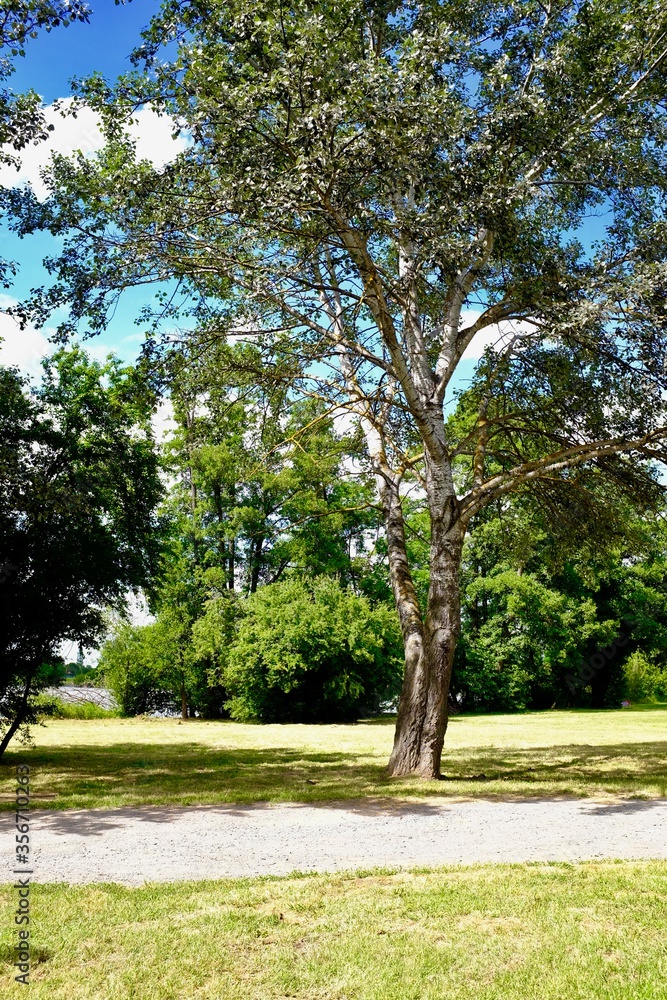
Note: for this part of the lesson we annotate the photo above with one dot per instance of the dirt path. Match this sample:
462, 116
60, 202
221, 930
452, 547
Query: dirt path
133, 846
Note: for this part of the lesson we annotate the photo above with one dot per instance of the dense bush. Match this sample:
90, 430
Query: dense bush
644, 680
149, 668
55, 708
311, 652
523, 644
136, 664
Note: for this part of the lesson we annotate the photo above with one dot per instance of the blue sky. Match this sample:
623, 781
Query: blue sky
103, 45
52, 60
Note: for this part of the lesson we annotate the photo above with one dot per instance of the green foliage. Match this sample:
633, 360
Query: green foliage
48, 706
311, 652
555, 620
644, 680
143, 668
126, 669
79, 484
444, 155
529, 639
162, 666
89, 677
259, 487
214, 632
293, 651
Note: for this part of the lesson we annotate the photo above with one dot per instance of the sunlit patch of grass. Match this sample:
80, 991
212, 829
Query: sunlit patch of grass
122, 762
493, 932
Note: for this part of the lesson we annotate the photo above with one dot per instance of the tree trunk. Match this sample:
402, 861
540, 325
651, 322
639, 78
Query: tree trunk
184, 702
232, 564
256, 566
430, 640
423, 707
18, 718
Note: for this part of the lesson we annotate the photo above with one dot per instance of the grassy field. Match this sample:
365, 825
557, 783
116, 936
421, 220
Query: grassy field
503, 932
113, 762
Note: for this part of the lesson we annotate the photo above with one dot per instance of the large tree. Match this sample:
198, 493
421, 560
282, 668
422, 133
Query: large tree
79, 484
366, 188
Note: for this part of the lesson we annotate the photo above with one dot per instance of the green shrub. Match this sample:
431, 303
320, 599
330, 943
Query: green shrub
643, 678
87, 678
56, 708
137, 665
149, 668
523, 644
312, 652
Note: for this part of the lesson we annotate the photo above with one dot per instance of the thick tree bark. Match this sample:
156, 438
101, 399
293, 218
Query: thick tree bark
256, 564
423, 707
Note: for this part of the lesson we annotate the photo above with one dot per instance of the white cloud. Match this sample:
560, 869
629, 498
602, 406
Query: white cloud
163, 421
497, 336
155, 142
151, 131
19, 348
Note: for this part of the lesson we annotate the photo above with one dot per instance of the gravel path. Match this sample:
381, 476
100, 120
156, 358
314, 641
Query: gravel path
133, 846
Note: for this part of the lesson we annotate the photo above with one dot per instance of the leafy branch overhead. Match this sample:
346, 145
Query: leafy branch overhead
386, 188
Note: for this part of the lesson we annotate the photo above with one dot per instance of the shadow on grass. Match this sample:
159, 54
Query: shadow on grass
37, 955
623, 764
193, 773
134, 774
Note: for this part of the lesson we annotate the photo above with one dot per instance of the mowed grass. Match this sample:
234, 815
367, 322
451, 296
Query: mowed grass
115, 762
494, 932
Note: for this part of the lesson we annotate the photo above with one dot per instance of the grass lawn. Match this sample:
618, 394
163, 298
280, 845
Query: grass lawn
539, 932
114, 762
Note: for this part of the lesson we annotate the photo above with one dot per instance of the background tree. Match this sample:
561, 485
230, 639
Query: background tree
551, 621
368, 187
79, 485
261, 490
265, 485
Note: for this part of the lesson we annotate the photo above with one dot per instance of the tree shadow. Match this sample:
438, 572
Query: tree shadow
623, 767
190, 773
134, 774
